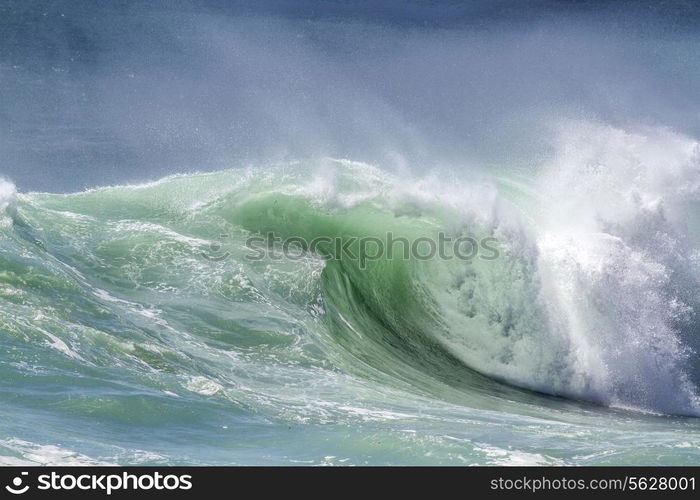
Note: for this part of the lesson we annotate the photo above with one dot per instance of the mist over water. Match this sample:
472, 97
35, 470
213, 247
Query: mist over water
127, 92
137, 137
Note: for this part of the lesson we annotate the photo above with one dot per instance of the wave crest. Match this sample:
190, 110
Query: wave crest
8, 200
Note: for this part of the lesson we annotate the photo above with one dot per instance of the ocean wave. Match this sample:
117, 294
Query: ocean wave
593, 295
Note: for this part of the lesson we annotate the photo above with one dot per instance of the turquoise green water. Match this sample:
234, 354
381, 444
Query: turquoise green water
121, 342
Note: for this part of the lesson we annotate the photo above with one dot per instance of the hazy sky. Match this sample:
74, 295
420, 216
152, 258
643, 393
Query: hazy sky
105, 92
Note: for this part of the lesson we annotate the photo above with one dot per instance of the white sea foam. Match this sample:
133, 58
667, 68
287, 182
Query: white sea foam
18, 452
8, 199
618, 253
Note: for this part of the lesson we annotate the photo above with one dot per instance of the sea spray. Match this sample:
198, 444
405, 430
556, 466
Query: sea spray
8, 199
